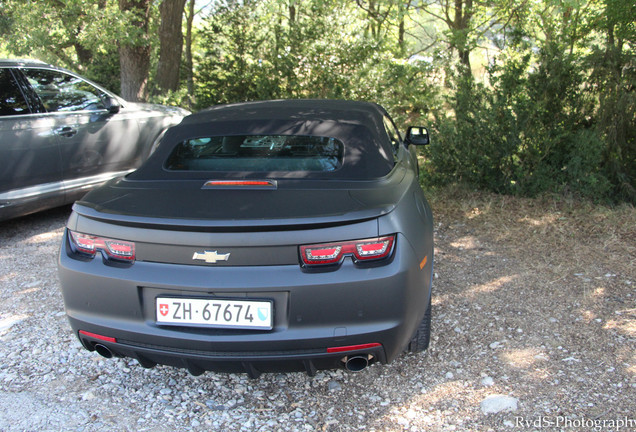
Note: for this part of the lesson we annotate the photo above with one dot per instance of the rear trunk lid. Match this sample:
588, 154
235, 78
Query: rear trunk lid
181, 222
293, 203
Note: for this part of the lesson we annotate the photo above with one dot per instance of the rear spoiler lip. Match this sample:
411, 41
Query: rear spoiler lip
232, 225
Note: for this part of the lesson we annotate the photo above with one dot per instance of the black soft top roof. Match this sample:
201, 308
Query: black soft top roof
359, 125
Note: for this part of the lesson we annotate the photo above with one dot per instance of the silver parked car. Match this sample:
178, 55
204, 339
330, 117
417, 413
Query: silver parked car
61, 135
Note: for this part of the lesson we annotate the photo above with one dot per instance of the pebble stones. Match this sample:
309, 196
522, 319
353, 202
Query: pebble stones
494, 404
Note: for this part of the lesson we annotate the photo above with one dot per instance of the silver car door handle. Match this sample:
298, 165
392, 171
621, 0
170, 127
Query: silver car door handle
66, 131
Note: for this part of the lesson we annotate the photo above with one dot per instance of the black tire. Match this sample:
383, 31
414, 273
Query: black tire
422, 337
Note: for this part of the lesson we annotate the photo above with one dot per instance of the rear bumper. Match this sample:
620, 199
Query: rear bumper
252, 363
315, 313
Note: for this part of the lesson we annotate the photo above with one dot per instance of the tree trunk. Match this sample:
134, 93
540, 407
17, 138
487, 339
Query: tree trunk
134, 57
403, 11
464, 59
188, 53
401, 42
84, 55
135, 64
461, 27
170, 45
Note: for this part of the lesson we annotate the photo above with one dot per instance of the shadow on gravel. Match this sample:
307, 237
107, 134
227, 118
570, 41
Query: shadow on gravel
534, 300
36, 223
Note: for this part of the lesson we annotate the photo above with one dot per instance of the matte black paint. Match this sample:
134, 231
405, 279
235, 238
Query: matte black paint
171, 219
368, 151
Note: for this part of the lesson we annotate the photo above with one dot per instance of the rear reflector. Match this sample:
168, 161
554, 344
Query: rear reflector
353, 347
361, 250
89, 245
100, 337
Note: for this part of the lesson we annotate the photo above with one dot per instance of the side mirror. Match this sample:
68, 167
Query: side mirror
112, 105
417, 135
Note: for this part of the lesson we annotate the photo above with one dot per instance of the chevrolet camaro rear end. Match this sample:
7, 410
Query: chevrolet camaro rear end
271, 236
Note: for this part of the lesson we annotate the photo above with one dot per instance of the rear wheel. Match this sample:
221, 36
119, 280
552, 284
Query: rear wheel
420, 340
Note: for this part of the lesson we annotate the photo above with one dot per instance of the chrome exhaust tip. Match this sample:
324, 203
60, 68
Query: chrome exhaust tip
356, 363
103, 351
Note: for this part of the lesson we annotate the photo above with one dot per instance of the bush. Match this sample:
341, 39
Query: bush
531, 132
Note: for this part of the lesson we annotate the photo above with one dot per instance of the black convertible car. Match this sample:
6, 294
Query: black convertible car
263, 236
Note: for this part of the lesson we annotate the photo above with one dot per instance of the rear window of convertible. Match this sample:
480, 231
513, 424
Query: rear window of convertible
257, 153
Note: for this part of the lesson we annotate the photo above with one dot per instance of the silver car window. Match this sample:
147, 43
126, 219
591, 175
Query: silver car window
11, 100
60, 92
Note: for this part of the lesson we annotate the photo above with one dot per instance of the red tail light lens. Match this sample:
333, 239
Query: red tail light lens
115, 249
374, 248
361, 250
322, 254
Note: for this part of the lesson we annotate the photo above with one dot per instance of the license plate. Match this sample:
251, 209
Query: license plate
238, 314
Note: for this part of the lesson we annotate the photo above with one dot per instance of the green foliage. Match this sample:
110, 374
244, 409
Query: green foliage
104, 69
178, 98
64, 33
556, 111
230, 68
81, 35
409, 88
477, 145
535, 129
255, 51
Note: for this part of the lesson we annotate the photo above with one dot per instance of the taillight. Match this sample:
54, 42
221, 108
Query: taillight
361, 250
115, 249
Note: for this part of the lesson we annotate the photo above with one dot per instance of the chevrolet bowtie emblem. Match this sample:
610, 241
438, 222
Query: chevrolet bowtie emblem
210, 257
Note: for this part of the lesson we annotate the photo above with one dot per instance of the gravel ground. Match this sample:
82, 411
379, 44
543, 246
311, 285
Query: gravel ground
534, 327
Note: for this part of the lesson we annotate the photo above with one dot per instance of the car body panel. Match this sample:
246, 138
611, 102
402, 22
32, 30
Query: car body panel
98, 143
292, 203
52, 158
376, 306
366, 310
29, 157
